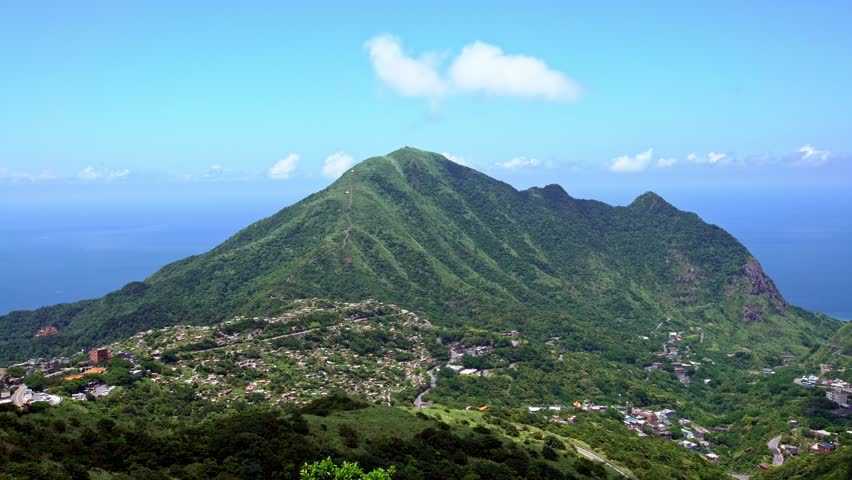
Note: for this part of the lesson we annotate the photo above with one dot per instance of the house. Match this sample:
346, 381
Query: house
648, 416
534, 409
689, 445
790, 449
99, 356
768, 371
652, 367
825, 368
51, 330
712, 457
837, 396
668, 413
793, 422
822, 447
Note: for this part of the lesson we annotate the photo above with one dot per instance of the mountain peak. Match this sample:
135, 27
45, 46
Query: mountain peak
414, 228
651, 201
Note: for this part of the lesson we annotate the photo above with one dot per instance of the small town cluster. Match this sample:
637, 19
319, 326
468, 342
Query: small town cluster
86, 370
368, 349
837, 390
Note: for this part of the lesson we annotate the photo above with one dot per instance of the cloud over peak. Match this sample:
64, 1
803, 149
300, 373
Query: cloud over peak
411, 77
455, 159
519, 162
630, 164
335, 164
485, 68
283, 168
479, 68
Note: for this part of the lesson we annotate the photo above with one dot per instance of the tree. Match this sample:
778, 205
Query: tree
328, 470
35, 381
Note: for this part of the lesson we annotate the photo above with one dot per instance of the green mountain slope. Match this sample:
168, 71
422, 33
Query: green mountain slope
415, 229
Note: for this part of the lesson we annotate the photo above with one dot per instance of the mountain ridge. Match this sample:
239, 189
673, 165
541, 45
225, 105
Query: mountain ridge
414, 228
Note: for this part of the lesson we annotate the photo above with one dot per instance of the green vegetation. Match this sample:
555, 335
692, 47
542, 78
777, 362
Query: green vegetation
836, 466
415, 229
327, 470
146, 431
593, 292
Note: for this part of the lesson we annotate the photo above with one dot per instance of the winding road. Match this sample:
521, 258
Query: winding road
594, 456
433, 380
19, 398
777, 458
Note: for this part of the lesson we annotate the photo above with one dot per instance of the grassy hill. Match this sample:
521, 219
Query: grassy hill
415, 229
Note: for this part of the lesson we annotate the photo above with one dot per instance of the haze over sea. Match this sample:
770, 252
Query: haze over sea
83, 247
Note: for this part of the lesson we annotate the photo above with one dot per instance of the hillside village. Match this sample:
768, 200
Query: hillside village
367, 349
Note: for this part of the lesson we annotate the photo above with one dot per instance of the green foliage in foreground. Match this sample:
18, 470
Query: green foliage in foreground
147, 431
327, 470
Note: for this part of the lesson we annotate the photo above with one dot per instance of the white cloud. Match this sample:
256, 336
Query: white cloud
11, 176
215, 171
485, 68
713, 157
410, 77
91, 174
284, 167
480, 67
336, 164
519, 162
635, 163
455, 158
665, 162
811, 156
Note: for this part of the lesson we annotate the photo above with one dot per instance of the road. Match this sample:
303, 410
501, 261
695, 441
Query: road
19, 398
594, 456
777, 458
433, 380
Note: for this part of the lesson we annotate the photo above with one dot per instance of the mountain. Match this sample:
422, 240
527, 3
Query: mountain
416, 229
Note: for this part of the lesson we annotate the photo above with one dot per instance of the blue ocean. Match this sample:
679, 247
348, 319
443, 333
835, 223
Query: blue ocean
53, 252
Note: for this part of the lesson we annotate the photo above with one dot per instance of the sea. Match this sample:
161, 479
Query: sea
55, 251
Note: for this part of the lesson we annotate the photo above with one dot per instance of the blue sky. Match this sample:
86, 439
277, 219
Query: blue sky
228, 100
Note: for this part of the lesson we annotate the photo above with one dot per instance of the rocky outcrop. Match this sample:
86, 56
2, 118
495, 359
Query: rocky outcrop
752, 314
761, 284
761, 293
